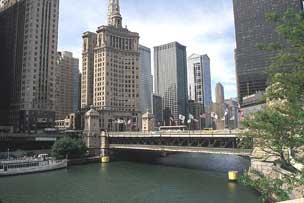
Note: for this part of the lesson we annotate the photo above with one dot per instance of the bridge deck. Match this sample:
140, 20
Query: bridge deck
226, 151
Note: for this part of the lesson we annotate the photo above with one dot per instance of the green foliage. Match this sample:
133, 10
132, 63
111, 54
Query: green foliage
267, 187
30, 153
20, 153
246, 143
294, 180
301, 179
275, 131
70, 147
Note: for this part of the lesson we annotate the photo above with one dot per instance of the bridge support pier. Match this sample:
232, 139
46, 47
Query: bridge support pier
105, 150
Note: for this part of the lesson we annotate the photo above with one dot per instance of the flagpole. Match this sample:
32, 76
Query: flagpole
201, 122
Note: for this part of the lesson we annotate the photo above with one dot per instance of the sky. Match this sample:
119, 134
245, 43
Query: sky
204, 26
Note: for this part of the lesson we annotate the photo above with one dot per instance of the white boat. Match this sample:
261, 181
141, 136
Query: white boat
18, 167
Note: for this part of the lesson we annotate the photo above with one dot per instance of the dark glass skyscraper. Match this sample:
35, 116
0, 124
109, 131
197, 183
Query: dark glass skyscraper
146, 80
11, 42
253, 28
170, 73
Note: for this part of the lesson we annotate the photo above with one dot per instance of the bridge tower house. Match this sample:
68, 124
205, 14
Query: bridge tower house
148, 122
92, 132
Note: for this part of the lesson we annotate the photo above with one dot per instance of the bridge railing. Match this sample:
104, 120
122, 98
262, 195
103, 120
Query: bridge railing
176, 133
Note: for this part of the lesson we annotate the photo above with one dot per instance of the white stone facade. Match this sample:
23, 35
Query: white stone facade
111, 73
92, 129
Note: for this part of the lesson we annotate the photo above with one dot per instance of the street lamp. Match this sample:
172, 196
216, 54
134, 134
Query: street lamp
189, 124
7, 153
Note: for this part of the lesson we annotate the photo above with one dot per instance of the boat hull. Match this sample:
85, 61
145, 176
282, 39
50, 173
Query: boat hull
37, 169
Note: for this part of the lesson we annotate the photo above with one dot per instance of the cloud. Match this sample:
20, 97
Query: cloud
204, 26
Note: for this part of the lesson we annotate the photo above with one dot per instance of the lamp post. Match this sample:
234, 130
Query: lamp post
189, 125
8, 153
226, 116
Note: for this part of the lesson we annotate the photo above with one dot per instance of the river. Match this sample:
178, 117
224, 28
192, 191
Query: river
177, 178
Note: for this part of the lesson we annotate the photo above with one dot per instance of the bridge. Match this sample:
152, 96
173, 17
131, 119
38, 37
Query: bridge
214, 142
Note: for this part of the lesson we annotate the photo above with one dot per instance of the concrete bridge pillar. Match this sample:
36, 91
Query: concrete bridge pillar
105, 150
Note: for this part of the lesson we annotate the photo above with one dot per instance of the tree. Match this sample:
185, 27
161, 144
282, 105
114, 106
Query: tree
20, 153
71, 147
280, 126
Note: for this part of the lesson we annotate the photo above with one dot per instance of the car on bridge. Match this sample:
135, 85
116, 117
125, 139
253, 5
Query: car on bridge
208, 129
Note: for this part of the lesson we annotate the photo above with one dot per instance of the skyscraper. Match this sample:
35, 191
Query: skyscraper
87, 77
158, 110
76, 84
29, 32
252, 28
219, 107
170, 63
111, 72
79, 92
199, 79
10, 13
146, 79
219, 94
67, 79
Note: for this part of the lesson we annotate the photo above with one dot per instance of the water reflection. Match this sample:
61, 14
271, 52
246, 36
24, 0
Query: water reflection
232, 186
206, 162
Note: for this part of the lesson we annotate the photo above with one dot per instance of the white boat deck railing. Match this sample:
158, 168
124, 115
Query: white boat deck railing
7, 169
29, 164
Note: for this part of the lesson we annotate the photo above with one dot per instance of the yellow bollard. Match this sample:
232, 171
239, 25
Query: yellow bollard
233, 175
105, 159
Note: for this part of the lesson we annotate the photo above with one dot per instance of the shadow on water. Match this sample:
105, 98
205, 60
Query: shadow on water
205, 162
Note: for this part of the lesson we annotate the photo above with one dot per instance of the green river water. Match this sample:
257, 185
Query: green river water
180, 178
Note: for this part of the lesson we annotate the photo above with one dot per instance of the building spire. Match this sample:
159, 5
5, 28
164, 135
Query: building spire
114, 16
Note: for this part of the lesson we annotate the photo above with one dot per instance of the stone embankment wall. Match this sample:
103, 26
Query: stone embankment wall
268, 169
295, 201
